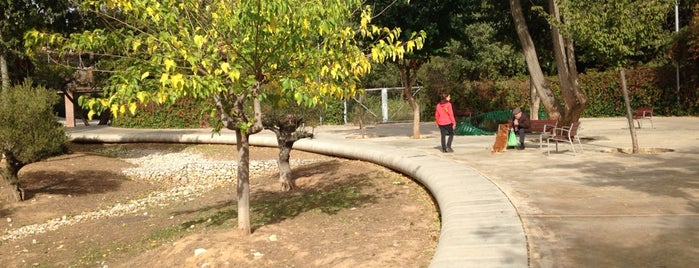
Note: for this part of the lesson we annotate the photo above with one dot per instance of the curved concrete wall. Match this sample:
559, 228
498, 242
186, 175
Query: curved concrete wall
480, 227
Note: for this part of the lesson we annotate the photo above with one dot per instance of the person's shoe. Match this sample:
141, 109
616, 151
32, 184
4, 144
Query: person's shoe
521, 147
450, 150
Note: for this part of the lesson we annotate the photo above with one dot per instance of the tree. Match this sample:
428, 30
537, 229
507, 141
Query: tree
18, 16
564, 54
29, 133
616, 31
287, 128
287, 120
228, 51
441, 20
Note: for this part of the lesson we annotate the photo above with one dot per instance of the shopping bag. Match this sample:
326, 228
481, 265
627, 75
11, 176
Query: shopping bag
512, 140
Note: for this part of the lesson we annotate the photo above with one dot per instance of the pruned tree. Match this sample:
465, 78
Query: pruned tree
288, 128
288, 122
227, 51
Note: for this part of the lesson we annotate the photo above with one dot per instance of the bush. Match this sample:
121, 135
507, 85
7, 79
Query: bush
29, 131
653, 87
186, 112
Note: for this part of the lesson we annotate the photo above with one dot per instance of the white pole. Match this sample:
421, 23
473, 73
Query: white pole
344, 111
384, 104
677, 63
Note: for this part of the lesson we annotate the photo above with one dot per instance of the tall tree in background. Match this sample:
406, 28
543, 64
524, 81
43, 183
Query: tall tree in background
441, 20
227, 51
564, 54
616, 31
18, 16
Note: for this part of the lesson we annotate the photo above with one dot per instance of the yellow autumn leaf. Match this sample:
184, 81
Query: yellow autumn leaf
136, 44
177, 81
234, 75
225, 67
169, 64
199, 41
132, 108
141, 96
162, 97
164, 79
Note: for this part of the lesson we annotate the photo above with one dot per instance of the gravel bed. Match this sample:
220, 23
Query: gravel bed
187, 175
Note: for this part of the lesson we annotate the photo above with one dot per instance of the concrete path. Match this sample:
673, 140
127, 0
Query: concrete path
521, 208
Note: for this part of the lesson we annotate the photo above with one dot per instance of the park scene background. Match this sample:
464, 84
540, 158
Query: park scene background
285, 66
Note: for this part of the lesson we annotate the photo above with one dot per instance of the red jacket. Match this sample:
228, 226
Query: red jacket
444, 115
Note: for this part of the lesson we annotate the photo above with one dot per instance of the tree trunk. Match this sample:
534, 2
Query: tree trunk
285, 128
361, 114
629, 115
9, 170
408, 69
232, 112
564, 54
285, 174
535, 103
536, 75
243, 187
11, 192
4, 72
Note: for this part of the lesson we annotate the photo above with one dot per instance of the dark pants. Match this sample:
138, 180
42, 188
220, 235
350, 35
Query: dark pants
447, 130
521, 133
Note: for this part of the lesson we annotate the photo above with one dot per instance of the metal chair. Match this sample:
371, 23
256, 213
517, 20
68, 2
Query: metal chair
566, 134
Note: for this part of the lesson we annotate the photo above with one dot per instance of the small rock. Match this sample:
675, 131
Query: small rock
273, 238
199, 251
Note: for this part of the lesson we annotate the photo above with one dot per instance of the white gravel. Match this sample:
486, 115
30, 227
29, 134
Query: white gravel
187, 175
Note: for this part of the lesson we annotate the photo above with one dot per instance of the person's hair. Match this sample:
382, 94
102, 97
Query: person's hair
444, 96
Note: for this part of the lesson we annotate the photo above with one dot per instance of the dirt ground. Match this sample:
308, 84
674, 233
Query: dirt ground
345, 214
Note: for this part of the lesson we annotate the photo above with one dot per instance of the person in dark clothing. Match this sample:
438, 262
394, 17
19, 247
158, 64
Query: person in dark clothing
520, 124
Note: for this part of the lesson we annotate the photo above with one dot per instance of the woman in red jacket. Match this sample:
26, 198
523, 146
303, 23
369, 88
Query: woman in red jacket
444, 117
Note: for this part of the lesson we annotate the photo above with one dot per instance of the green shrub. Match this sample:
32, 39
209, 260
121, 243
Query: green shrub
186, 112
29, 131
655, 87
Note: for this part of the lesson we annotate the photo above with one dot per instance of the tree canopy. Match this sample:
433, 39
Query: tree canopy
18, 16
617, 31
228, 51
